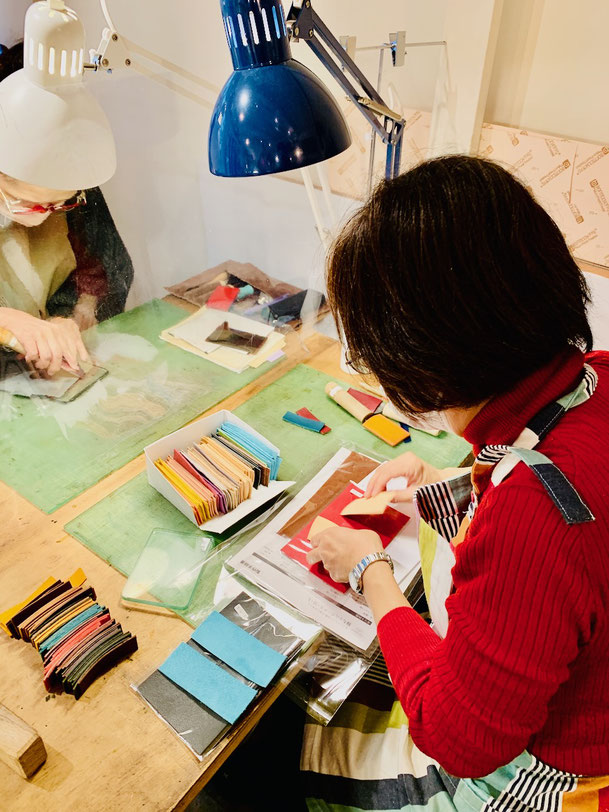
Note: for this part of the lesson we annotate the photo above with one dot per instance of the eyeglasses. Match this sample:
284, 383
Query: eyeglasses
356, 366
22, 207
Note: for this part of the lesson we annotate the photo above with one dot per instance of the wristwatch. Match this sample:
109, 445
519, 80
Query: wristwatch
355, 576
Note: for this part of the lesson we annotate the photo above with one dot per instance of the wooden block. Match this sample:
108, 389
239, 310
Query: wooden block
20, 746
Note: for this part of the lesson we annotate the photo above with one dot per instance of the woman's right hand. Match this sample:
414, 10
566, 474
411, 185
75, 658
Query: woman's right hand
47, 344
414, 470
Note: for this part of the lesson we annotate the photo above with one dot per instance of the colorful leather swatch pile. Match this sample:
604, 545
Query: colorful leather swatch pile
220, 472
74, 635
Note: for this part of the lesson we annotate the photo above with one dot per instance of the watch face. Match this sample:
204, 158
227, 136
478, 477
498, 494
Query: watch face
354, 581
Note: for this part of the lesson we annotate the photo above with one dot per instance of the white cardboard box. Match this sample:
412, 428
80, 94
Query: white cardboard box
191, 434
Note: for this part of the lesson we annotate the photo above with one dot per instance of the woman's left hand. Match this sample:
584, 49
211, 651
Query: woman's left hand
340, 548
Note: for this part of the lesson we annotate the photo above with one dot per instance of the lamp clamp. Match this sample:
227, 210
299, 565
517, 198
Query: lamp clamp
304, 23
111, 52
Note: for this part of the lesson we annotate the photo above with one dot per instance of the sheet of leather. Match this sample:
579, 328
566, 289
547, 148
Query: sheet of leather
241, 651
247, 613
110, 659
76, 649
385, 429
373, 506
54, 673
8, 614
183, 487
249, 455
198, 726
77, 578
208, 490
221, 500
318, 525
222, 297
304, 412
54, 606
369, 401
67, 629
87, 661
73, 666
209, 468
234, 466
208, 682
53, 610
50, 628
225, 335
78, 641
225, 491
387, 525
34, 606
304, 422
69, 644
208, 502
197, 288
356, 467
255, 466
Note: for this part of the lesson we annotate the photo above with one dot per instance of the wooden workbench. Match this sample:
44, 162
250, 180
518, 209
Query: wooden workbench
107, 751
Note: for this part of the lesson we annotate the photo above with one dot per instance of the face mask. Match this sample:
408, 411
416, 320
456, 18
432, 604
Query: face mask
436, 421
29, 220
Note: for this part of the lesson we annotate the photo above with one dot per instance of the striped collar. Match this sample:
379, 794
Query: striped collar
502, 419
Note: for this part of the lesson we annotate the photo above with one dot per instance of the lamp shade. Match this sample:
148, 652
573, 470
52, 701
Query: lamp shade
273, 114
53, 133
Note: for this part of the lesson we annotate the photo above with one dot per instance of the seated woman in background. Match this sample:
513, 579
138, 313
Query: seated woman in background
457, 292
63, 265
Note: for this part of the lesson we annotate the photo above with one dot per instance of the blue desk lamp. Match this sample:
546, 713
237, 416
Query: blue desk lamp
274, 114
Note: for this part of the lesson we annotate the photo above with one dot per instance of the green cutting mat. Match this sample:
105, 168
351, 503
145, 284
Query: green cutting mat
50, 451
117, 527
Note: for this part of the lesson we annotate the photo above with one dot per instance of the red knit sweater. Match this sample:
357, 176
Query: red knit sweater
525, 662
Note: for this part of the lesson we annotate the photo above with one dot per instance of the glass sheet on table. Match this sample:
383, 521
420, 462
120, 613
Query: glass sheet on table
51, 451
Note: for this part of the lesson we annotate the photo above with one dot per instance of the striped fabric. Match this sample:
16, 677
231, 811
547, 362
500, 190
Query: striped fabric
365, 760
444, 504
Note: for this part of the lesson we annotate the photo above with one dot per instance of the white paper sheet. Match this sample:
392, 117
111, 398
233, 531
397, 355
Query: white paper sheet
344, 614
201, 324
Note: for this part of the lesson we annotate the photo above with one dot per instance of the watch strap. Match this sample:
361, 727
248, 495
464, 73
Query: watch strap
356, 574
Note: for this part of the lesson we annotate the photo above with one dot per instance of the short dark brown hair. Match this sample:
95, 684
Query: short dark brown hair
452, 283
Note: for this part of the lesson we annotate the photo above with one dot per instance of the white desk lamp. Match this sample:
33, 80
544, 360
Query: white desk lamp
53, 133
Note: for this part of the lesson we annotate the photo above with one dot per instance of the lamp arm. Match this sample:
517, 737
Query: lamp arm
304, 23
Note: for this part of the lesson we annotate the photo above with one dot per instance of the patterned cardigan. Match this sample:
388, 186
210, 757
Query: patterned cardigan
103, 266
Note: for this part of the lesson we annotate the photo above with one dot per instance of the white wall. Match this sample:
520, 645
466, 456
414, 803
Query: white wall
551, 68
11, 20
175, 217
549, 74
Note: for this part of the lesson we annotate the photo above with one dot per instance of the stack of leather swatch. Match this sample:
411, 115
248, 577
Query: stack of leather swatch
208, 682
219, 472
74, 635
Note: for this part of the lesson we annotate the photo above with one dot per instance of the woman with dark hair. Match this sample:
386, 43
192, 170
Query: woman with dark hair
63, 265
457, 292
